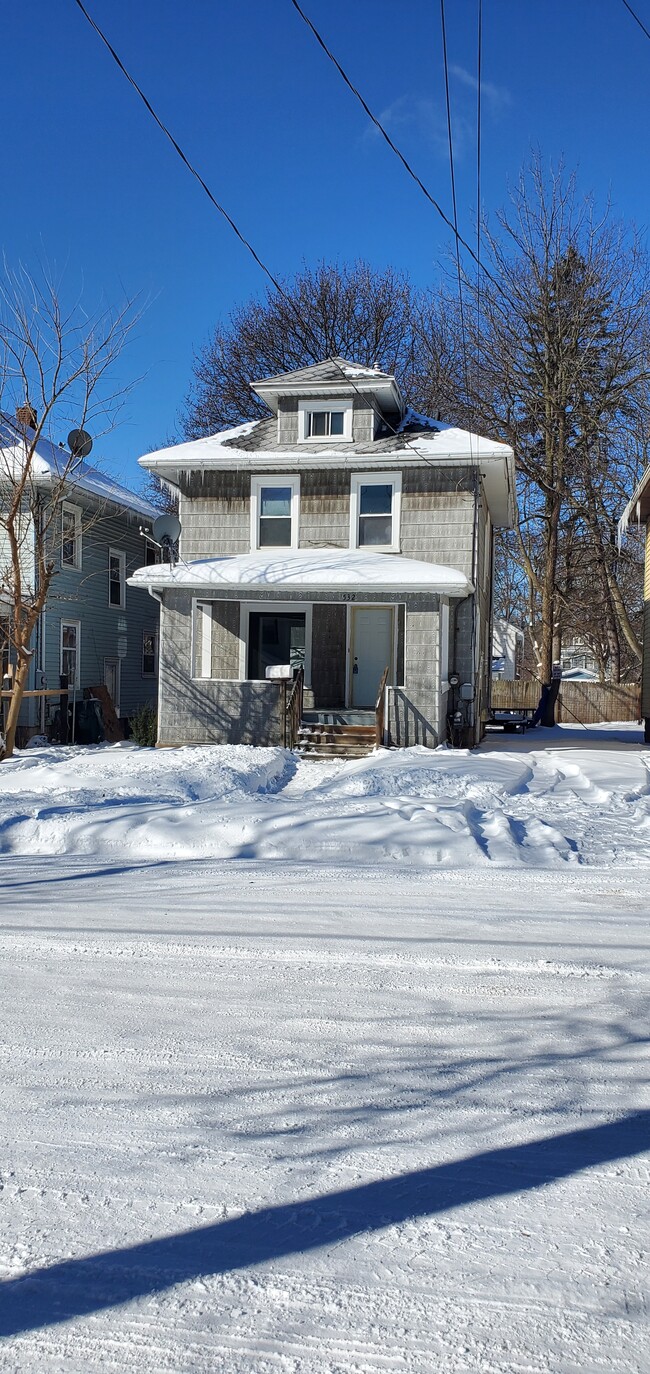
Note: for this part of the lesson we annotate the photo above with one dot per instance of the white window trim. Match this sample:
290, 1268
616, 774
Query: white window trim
379, 479
305, 608
306, 408
276, 480
120, 554
65, 623
68, 508
203, 608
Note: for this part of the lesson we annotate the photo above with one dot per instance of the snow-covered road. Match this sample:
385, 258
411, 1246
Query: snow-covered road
274, 1117
325, 1069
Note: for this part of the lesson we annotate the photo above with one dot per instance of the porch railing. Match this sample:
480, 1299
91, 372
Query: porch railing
380, 710
293, 710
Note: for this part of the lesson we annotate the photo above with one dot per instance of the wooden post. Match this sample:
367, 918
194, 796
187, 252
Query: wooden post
63, 707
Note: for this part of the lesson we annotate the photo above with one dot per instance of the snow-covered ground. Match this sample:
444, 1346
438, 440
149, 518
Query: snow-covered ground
285, 1091
515, 801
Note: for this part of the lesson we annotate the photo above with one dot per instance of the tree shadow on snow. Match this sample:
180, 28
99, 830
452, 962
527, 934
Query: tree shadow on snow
76, 1288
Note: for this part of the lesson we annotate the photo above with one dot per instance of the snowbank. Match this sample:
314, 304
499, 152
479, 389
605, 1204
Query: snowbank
538, 807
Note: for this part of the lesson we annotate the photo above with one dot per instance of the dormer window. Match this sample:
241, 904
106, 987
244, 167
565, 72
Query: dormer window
323, 422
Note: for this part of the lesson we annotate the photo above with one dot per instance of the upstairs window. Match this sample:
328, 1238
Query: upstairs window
116, 578
325, 421
375, 511
70, 536
274, 512
69, 661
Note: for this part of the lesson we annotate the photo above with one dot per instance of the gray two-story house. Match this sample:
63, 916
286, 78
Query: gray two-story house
95, 628
344, 536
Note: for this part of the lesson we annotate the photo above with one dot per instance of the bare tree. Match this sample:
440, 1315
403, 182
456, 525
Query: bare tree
56, 372
551, 354
351, 311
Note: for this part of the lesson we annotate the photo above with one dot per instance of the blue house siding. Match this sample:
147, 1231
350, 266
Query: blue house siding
107, 632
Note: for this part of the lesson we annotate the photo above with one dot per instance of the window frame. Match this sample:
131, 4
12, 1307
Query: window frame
121, 556
68, 507
376, 479
307, 408
154, 635
69, 623
275, 480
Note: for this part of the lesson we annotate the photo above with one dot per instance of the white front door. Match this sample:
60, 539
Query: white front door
112, 681
371, 651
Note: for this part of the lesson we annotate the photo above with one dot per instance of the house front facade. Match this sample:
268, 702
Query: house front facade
96, 630
344, 536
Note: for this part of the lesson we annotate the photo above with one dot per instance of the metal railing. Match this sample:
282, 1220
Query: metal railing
380, 710
293, 710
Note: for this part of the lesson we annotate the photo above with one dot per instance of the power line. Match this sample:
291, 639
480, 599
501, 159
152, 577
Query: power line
384, 133
312, 350
197, 175
636, 18
453, 196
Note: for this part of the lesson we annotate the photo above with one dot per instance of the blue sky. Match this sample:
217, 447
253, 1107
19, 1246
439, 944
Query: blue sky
92, 186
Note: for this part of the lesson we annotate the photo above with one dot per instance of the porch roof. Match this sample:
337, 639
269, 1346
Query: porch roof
307, 570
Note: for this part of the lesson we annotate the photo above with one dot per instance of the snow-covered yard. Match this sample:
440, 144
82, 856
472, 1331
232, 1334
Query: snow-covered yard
326, 1067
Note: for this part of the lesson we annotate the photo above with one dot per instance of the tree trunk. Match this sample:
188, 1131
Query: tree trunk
20, 682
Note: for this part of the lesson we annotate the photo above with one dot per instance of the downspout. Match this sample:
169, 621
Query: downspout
157, 597
475, 601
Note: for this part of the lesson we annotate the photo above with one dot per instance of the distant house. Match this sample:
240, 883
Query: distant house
507, 651
95, 628
344, 535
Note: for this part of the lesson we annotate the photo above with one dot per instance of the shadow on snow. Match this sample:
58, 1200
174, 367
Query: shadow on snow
76, 1288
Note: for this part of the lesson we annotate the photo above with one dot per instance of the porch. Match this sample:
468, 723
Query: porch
340, 622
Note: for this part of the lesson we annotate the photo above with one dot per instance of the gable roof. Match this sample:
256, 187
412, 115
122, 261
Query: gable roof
330, 370
638, 506
51, 463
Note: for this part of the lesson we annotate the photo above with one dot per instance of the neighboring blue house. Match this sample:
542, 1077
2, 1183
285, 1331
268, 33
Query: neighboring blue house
95, 628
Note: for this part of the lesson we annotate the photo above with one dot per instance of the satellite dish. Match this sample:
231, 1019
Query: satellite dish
166, 528
79, 443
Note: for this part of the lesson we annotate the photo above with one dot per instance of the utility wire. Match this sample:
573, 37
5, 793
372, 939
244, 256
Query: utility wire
384, 133
636, 18
312, 349
453, 196
197, 175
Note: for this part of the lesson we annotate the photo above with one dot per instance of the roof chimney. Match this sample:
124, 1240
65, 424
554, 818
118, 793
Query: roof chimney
26, 416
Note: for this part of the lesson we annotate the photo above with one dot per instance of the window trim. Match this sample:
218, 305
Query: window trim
276, 480
121, 555
376, 479
307, 408
154, 670
246, 608
64, 624
76, 512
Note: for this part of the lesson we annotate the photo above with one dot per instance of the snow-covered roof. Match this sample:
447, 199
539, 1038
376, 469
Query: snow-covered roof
638, 507
313, 569
50, 463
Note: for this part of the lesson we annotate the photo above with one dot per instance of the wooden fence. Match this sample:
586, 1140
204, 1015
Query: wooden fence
585, 703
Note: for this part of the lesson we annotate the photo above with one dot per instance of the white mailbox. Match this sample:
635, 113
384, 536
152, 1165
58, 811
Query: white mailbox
279, 672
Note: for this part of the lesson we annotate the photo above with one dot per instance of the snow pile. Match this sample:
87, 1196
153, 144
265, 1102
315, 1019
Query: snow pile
538, 807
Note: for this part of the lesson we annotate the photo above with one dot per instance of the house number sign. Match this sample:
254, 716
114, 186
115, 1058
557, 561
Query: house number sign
348, 596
